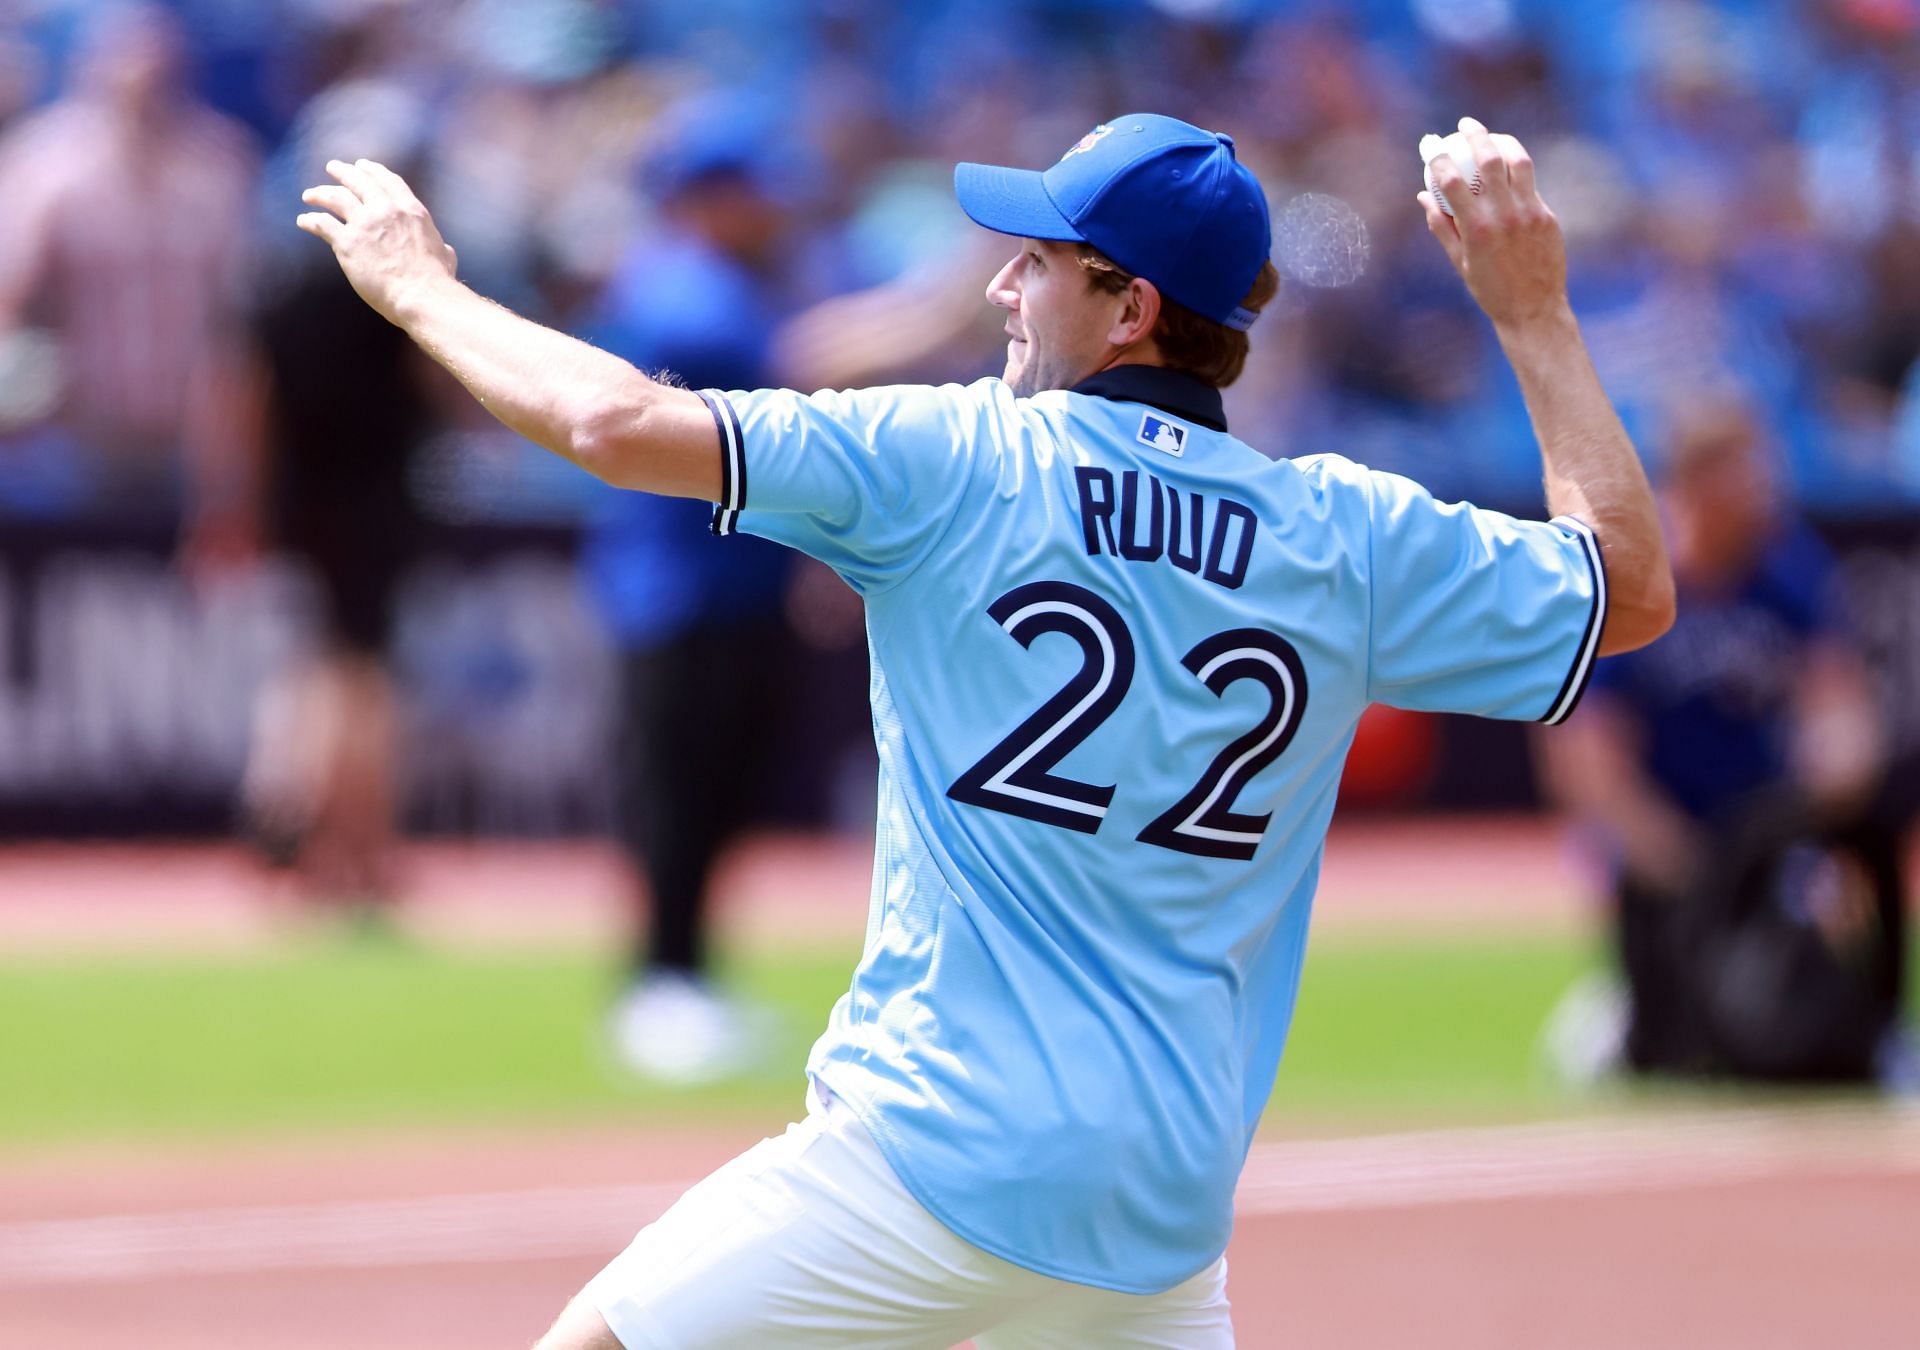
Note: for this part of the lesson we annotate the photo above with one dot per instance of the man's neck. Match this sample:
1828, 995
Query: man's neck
1174, 392
1145, 352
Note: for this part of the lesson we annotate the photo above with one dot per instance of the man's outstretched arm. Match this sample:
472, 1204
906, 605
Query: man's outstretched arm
1506, 245
561, 393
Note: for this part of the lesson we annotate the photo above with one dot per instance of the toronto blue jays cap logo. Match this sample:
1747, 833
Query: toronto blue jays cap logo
1164, 199
1161, 434
1088, 141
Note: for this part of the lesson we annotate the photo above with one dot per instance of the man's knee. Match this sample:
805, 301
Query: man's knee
580, 1327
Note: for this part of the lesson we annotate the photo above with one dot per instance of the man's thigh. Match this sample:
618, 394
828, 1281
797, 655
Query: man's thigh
579, 1327
1190, 1316
804, 1240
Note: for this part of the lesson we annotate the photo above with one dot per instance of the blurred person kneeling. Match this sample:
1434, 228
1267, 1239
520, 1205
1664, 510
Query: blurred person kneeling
1734, 771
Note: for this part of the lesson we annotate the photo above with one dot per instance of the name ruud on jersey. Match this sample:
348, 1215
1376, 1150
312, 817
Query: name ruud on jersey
1144, 520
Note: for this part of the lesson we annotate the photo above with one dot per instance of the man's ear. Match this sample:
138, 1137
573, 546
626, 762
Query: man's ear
1139, 313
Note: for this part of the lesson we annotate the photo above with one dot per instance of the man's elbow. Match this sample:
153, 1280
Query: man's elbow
1637, 617
607, 438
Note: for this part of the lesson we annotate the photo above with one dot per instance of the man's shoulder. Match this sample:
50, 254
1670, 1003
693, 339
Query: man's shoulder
1334, 478
887, 416
982, 394
1381, 492
989, 391
1327, 466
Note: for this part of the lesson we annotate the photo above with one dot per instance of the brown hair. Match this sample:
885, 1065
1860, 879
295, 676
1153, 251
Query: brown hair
1188, 341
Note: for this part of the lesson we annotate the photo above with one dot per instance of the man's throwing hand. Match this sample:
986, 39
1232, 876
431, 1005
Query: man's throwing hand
1502, 239
384, 239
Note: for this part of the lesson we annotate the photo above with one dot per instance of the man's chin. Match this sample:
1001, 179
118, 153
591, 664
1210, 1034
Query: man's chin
1020, 378
1027, 377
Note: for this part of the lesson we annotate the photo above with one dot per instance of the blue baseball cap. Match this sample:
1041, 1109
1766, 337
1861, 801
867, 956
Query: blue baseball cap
713, 135
1162, 198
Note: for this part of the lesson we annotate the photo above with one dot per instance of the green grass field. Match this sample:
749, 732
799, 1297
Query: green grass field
337, 1034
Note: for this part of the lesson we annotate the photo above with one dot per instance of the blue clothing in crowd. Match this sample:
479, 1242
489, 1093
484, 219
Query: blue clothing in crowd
652, 564
1715, 696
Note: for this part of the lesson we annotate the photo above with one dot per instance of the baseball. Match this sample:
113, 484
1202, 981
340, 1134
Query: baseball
1432, 147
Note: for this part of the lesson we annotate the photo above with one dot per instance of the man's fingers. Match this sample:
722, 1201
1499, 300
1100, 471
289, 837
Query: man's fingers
335, 199
1493, 168
319, 223
357, 179
1441, 225
1519, 162
1447, 178
395, 186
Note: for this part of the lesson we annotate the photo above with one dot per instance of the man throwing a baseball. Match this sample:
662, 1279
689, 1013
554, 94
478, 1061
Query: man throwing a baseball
1117, 659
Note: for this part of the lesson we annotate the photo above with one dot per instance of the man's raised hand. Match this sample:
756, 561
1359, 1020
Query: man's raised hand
384, 239
1503, 240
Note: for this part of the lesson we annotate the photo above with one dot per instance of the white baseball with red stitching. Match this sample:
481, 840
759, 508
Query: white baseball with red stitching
1432, 147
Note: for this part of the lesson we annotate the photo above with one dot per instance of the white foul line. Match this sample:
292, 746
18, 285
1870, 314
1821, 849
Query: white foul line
1281, 1177
1575, 1157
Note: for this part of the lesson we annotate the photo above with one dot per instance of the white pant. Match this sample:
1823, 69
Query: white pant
809, 1239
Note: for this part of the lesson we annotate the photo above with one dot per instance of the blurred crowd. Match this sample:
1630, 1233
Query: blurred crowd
1740, 182
756, 193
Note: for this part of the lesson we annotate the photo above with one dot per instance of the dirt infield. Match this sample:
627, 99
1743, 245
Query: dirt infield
1458, 872
1742, 1228
1751, 1229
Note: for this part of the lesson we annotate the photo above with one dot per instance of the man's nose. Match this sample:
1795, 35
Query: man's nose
1001, 291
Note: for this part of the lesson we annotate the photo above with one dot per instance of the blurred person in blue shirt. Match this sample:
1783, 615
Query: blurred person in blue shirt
1733, 769
698, 623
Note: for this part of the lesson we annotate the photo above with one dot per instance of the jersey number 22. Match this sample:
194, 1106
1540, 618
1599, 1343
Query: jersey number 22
1017, 777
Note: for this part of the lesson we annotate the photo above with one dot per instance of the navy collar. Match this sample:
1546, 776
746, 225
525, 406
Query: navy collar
1185, 396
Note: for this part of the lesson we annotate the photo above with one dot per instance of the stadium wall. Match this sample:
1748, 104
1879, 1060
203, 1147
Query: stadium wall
125, 690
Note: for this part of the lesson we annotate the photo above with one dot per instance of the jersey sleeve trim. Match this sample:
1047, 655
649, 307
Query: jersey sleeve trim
1585, 655
733, 463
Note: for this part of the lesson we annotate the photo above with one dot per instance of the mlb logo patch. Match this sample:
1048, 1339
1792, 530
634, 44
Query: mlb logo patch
1088, 141
1162, 434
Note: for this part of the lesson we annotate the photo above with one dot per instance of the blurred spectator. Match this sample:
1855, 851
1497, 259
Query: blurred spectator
1732, 769
126, 240
698, 623
1739, 184
1761, 193
346, 408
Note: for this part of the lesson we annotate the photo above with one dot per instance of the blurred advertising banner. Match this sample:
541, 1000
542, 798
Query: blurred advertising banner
126, 692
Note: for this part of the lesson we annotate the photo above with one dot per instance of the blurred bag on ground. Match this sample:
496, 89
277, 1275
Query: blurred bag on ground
1794, 950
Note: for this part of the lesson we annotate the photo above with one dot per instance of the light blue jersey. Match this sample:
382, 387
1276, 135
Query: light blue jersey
1117, 660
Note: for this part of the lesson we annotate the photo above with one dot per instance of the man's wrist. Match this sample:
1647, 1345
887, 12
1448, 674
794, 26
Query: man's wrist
416, 303
1550, 324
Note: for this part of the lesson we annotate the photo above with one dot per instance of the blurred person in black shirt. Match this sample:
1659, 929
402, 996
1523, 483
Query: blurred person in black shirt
1734, 770
346, 406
